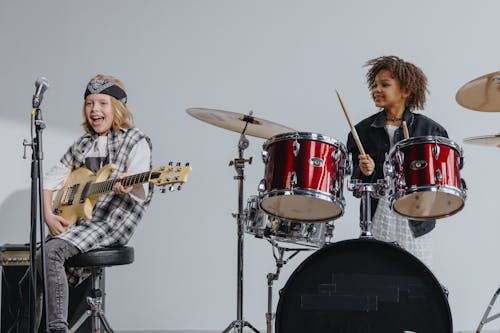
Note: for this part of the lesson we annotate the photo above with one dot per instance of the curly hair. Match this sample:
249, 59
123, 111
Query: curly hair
411, 78
122, 117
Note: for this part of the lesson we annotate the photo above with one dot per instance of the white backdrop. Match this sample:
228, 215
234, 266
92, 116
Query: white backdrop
281, 59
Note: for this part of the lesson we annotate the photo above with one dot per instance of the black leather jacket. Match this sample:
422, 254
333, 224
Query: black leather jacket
375, 141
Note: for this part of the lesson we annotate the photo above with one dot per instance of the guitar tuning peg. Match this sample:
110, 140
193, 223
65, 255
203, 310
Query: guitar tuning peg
171, 188
170, 163
187, 164
178, 164
179, 187
163, 190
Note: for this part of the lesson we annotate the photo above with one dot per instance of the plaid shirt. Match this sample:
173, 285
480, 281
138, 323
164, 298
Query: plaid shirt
114, 217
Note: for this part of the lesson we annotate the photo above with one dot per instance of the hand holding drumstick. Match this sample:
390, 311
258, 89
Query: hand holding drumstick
366, 163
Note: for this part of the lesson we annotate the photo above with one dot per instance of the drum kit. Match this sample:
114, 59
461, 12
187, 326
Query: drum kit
357, 285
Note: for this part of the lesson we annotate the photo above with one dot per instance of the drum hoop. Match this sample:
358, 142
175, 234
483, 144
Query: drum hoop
318, 253
432, 188
429, 188
307, 193
305, 136
426, 139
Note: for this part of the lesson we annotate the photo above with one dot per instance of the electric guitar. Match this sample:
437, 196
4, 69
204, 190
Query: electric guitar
79, 194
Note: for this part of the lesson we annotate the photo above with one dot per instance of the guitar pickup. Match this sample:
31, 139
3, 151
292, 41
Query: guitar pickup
83, 197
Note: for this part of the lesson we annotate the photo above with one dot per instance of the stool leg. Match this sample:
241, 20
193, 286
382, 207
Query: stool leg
80, 321
105, 322
485, 318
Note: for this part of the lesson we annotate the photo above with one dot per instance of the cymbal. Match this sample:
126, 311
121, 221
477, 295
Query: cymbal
236, 122
485, 140
481, 94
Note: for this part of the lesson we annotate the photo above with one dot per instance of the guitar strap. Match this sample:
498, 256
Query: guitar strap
95, 163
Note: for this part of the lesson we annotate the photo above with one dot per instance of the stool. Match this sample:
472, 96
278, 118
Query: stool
96, 260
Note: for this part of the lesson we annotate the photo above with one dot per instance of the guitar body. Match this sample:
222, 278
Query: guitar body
70, 202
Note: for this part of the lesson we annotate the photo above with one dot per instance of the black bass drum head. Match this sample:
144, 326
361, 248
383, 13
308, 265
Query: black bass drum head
362, 286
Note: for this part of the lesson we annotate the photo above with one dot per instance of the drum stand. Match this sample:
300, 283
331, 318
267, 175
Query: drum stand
485, 318
239, 165
278, 254
365, 191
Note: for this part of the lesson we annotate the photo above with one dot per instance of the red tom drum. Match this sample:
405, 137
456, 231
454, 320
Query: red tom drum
425, 177
303, 178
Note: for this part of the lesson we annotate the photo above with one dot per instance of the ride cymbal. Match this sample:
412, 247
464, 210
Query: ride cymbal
485, 140
481, 94
237, 121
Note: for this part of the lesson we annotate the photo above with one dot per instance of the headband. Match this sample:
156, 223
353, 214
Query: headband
96, 86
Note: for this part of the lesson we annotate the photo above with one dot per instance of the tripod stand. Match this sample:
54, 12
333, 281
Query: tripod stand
239, 165
278, 254
243, 124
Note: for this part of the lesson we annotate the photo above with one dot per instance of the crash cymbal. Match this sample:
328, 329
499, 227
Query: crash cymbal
481, 94
485, 140
236, 122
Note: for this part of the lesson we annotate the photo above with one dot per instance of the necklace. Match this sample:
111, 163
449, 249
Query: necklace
393, 119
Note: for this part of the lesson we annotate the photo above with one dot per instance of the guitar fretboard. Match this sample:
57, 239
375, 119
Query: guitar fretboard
107, 185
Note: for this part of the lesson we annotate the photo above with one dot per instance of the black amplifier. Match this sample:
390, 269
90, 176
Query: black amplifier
15, 255
14, 260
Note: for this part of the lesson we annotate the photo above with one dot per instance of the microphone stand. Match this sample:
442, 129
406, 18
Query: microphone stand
37, 126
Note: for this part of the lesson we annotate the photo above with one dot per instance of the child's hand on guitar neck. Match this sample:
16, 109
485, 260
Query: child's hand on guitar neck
118, 188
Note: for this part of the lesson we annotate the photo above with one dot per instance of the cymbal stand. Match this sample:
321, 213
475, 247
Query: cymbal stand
365, 191
278, 254
239, 165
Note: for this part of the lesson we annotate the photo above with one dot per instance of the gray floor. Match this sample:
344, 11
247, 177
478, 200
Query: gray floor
262, 331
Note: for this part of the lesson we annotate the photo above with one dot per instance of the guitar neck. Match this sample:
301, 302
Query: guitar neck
107, 185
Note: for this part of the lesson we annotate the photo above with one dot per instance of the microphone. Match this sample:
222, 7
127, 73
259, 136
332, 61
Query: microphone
41, 84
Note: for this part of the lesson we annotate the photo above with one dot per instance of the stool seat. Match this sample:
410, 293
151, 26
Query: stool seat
103, 257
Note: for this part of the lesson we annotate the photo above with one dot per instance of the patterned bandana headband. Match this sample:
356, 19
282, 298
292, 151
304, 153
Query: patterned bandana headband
107, 88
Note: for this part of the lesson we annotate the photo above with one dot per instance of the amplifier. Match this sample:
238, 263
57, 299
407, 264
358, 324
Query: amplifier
15, 259
15, 255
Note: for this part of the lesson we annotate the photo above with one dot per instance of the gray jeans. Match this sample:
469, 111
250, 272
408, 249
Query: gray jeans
57, 251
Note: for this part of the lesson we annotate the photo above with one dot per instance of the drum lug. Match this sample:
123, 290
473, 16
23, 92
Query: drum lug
436, 150
262, 186
265, 156
336, 156
464, 185
400, 156
460, 162
401, 182
348, 165
296, 148
335, 187
293, 179
388, 167
439, 176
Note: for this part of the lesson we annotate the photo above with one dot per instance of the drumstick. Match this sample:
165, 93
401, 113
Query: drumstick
405, 130
353, 129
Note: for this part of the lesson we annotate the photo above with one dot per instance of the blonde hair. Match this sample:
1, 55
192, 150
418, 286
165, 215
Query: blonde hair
122, 117
411, 78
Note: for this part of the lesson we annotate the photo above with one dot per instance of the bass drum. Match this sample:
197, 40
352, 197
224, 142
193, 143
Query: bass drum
362, 286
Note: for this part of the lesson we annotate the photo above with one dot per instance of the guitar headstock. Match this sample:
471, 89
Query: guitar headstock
173, 175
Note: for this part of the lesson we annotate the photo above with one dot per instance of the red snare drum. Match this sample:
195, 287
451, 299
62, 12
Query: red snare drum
426, 181
303, 179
